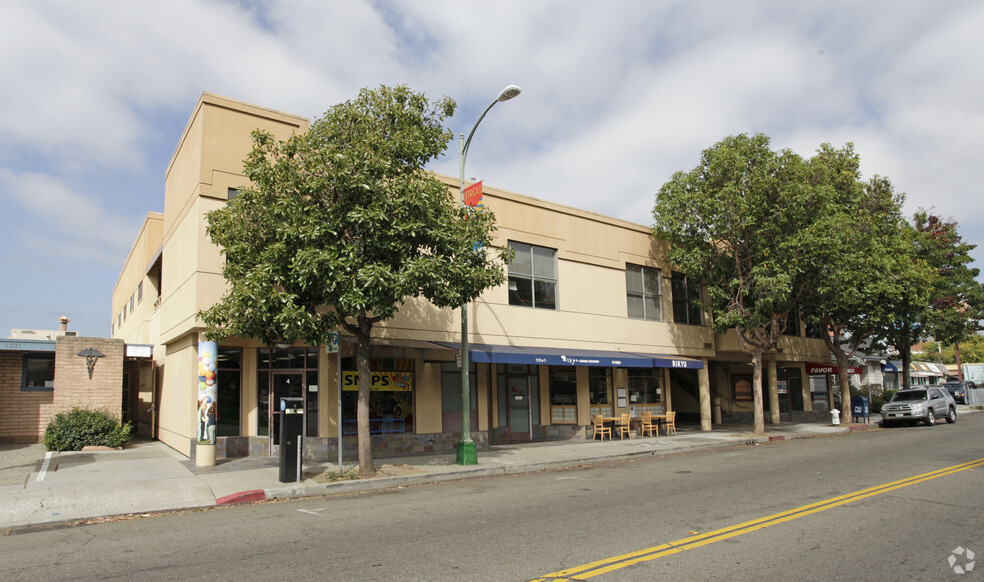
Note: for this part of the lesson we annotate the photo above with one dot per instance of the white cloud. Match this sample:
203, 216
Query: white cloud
63, 223
616, 96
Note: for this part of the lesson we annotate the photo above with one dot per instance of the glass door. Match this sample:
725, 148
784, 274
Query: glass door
518, 388
285, 385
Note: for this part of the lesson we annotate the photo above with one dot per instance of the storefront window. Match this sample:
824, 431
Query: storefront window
645, 388
229, 373
563, 395
390, 396
451, 396
600, 387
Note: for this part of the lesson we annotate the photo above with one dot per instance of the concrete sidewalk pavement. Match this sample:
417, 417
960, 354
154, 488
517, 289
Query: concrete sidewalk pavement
39, 488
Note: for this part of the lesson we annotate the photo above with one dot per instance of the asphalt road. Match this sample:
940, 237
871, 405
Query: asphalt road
863, 506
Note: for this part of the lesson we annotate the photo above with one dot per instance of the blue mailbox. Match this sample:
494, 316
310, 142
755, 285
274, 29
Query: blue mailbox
859, 409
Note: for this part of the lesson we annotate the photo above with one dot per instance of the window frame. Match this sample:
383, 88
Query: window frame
655, 274
690, 295
49, 359
532, 279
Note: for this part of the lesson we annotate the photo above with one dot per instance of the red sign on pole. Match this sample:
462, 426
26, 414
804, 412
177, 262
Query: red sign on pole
473, 194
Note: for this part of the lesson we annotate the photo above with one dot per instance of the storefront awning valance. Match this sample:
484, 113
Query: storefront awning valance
819, 369
918, 369
494, 354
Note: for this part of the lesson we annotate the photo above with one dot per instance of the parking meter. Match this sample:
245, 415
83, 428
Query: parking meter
291, 434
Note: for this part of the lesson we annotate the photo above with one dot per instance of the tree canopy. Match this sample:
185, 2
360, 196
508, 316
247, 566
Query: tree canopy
741, 223
858, 259
340, 225
952, 304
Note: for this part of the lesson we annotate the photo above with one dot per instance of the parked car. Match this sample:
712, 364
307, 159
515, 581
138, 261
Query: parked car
919, 405
959, 390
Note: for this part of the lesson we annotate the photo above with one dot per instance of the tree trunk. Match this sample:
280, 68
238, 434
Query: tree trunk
844, 374
905, 350
366, 466
758, 424
956, 351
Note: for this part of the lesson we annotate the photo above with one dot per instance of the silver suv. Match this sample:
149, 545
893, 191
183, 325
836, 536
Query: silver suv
919, 404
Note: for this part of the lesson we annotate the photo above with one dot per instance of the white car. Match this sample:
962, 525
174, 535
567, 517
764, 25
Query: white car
919, 405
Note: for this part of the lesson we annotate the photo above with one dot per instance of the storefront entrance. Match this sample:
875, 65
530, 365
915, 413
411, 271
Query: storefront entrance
285, 373
285, 385
519, 408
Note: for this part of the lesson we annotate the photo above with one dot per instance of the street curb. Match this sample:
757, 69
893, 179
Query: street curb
383, 483
242, 497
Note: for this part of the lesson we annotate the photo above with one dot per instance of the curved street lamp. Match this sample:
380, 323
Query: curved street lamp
467, 454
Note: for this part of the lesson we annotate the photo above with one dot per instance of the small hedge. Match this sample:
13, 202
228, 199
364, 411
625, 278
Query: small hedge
81, 427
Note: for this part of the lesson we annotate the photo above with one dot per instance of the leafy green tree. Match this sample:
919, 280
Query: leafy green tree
956, 304
942, 299
740, 223
341, 225
907, 323
860, 239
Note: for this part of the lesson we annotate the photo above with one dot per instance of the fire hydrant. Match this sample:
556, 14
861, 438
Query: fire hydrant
835, 416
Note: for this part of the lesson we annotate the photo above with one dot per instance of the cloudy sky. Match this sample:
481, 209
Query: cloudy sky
617, 95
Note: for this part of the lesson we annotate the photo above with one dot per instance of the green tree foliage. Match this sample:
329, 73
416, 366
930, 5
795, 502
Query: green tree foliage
341, 225
971, 351
942, 297
857, 259
956, 304
741, 222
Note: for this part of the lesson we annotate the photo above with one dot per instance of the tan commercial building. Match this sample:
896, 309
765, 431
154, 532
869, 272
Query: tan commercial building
593, 320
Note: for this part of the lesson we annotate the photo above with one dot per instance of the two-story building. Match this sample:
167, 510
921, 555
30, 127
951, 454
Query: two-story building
593, 319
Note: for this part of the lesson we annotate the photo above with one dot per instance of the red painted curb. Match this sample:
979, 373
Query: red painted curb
242, 497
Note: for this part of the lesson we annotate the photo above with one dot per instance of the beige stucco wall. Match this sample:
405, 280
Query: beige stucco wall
427, 405
592, 252
177, 404
133, 282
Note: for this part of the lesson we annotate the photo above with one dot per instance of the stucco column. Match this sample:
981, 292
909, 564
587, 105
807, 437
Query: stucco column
807, 390
207, 411
773, 380
704, 388
666, 391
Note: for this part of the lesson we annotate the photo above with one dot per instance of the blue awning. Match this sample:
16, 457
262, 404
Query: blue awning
493, 354
666, 361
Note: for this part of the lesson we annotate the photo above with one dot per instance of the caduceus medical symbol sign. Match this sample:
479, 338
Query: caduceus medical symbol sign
90, 356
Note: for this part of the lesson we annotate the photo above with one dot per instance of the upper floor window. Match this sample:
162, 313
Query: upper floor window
139, 292
686, 293
792, 324
232, 193
642, 292
533, 276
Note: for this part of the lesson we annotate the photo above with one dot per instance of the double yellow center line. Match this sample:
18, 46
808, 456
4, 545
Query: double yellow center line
586, 571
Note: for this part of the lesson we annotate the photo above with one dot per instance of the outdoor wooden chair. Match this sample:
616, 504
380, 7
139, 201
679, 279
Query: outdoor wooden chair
624, 426
647, 424
600, 428
671, 422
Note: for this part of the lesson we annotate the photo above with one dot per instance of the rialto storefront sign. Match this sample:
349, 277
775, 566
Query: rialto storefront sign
821, 369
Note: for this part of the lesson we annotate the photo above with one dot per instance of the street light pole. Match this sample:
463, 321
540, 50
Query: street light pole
467, 454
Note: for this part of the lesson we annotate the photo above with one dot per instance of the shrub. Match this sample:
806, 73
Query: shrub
81, 427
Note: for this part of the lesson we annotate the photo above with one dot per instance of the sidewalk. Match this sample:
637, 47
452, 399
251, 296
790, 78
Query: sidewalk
38, 488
